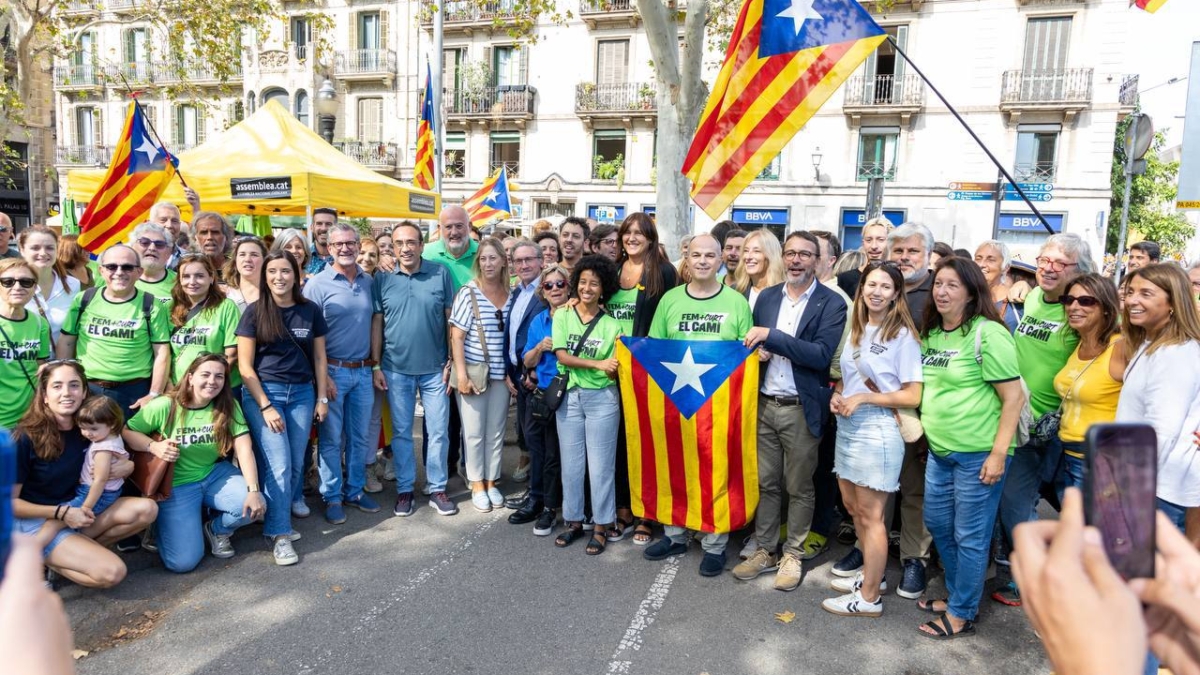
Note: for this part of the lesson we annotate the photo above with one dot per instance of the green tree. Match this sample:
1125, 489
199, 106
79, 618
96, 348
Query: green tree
1152, 212
363, 225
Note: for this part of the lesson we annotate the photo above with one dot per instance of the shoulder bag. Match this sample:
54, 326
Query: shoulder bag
907, 419
152, 475
476, 372
1026, 420
551, 399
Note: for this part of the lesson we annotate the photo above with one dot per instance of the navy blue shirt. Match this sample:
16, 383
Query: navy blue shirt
540, 329
414, 317
50, 483
290, 359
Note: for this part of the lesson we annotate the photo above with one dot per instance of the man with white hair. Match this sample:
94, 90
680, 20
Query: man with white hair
154, 245
167, 216
6, 234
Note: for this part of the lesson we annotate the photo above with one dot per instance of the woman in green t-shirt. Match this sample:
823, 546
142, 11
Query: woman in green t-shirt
24, 340
969, 407
200, 425
203, 320
588, 416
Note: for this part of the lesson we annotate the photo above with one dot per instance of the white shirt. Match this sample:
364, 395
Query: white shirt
780, 380
888, 364
54, 309
524, 297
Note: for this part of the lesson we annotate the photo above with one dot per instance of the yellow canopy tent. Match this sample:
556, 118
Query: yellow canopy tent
271, 165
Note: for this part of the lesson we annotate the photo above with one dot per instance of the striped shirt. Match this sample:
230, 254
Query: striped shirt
463, 317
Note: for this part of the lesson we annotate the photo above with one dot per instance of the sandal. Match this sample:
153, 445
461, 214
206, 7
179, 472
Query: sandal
944, 630
643, 532
568, 536
618, 530
598, 543
927, 605
1010, 595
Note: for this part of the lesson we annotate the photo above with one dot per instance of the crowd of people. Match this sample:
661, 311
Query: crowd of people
894, 379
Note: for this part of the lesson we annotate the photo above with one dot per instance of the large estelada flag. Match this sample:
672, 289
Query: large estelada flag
423, 169
493, 199
691, 426
140, 171
1148, 5
785, 59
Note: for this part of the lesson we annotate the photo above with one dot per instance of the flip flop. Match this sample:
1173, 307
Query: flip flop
619, 530
944, 630
643, 529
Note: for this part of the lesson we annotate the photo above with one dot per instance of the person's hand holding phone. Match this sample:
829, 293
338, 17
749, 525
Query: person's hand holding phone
1173, 601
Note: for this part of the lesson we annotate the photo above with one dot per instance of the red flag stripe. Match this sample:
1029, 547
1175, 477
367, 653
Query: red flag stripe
140, 206
735, 483
746, 47
704, 468
108, 204
649, 466
677, 469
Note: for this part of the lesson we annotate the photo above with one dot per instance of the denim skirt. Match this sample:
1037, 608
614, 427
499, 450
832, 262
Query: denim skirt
869, 449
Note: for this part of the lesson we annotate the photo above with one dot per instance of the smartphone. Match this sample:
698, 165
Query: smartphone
8, 478
1120, 480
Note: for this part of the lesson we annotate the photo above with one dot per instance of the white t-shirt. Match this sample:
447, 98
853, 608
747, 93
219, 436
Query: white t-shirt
54, 309
888, 364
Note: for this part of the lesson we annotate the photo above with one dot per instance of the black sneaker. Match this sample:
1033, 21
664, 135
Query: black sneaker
404, 504
849, 565
913, 584
894, 544
545, 523
528, 513
130, 543
845, 533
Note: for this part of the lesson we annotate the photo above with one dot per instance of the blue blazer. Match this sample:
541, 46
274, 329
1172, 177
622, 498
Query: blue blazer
811, 348
535, 306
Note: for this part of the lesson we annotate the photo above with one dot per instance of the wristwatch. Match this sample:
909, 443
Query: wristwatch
252, 488
323, 400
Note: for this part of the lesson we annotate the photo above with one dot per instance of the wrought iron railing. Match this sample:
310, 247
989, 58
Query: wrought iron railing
77, 74
365, 61
78, 6
1072, 85
509, 100
83, 155
513, 168
869, 170
1129, 91
455, 164
1039, 172
466, 11
885, 90
369, 154
592, 97
606, 6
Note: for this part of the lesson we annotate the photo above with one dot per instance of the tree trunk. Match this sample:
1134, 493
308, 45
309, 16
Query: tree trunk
681, 97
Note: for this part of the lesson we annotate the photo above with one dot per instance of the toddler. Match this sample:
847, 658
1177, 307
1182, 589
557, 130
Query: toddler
101, 421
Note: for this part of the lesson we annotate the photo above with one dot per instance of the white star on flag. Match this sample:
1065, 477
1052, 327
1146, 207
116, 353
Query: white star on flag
799, 12
495, 194
688, 372
149, 148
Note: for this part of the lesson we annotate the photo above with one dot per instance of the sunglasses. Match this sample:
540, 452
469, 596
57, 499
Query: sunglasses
124, 267
1083, 300
151, 243
25, 282
4, 229
551, 285
63, 362
500, 319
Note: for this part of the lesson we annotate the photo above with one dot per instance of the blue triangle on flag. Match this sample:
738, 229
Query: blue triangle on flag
794, 25
688, 372
145, 152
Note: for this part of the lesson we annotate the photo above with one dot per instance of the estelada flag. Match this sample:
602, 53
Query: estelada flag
785, 59
1148, 5
493, 200
423, 167
691, 426
140, 171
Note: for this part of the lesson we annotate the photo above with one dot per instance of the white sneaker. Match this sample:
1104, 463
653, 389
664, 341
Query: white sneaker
372, 485
283, 551
389, 469
749, 548
852, 604
300, 509
854, 583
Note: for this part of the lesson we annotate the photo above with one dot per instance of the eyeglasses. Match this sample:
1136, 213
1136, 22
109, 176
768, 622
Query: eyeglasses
500, 318
4, 230
1053, 265
527, 261
343, 244
124, 267
803, 255
151, 243
551, 285
245, 238
63, 362
1083, 300
25, 282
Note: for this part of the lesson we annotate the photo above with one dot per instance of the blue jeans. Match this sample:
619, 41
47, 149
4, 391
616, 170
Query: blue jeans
960, 512
1071, 474
1175, 512
1029, 467
402, 401
125, 395
587, 437
281, 455
180, 534
347, 424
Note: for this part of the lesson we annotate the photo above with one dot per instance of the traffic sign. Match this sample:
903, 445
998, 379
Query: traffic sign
1030, 187
970, 196
973, 187
1033, 196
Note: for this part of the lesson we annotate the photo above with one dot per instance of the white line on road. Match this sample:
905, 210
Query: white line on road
622, 662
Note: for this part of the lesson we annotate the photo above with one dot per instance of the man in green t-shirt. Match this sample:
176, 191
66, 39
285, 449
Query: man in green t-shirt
126, 357
1044, 343
704, 309
454, 247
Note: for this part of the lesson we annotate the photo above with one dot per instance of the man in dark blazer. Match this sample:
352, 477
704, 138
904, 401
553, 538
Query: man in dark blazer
797, 325
523, 304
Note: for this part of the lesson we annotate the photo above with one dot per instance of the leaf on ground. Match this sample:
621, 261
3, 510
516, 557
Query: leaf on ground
785, 617
79, 653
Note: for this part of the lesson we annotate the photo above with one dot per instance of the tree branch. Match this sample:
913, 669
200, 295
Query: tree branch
693, 94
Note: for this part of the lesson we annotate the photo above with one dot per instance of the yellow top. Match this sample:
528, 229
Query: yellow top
1088, 396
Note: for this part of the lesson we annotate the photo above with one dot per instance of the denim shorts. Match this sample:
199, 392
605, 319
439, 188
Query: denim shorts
869, 449
106, 499
30, 526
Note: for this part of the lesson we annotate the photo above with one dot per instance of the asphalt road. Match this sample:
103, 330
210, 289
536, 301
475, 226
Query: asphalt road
473, 594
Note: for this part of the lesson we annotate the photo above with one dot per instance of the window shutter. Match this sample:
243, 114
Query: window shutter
97, 126
151, 121
383, 29
177, 125
354, 31
487, 58
523, 78
370, 120
201, 123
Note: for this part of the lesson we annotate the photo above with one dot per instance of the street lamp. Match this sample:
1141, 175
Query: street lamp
816, 160
327, 107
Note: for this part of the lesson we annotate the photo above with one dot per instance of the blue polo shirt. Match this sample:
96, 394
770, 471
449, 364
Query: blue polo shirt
540, 329
346, 306
414, 317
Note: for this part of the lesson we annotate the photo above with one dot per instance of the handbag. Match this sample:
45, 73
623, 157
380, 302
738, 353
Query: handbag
478, 373
907, 419
557, 389
1045, 428
152, 475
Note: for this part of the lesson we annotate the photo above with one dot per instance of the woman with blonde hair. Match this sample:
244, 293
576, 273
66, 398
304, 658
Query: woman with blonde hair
74, 259
56, 289
761, 266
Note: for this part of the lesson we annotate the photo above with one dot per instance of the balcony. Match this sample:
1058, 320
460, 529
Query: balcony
1128, 96
375, 156
609, 13
82, 155
78, 76
868, 170
509, 103
465, 17
366, 64
512, 168
622, 101
883, 95
1066, 91
77, 8
122, 5
1036, 172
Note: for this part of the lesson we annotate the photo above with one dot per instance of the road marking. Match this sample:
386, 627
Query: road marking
647, 611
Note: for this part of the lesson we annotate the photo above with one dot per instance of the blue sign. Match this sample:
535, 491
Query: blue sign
606, 213
1015, 196
1030, 187
1027, 222
970, 196
852, 223
759, 217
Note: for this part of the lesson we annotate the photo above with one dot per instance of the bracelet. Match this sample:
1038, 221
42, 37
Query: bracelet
376, 368
66, 513
263, 408
56, 510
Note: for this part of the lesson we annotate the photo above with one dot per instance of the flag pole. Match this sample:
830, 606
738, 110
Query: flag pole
149, 123
979, 141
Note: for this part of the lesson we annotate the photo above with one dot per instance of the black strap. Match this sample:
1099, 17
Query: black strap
13, 346
196, 309
583, 338
147, 306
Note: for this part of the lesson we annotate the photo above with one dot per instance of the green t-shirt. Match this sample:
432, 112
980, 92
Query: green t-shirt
1044, 343
193, 430
460, 268
565, 332
724, 316
113, 342
621, 307
211, 330
960, 408
161, 289
22, 344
